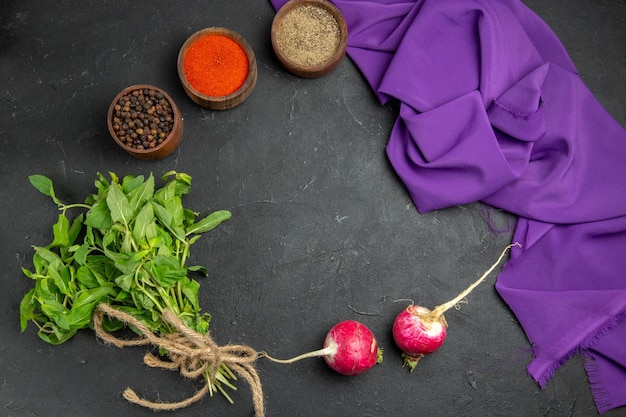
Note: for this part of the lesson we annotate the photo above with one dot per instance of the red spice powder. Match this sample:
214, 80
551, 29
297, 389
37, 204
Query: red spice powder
216, 65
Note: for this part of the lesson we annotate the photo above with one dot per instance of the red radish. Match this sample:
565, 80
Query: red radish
352, 348
419, 331
417, 334
349, 348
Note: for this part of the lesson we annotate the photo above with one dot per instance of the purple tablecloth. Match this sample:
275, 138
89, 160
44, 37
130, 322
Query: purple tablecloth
492, 109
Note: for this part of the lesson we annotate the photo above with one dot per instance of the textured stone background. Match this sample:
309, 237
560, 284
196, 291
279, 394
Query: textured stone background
322, 230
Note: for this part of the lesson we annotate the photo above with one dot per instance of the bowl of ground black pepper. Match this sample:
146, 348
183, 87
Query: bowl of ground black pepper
309, 37
145, 122
217, 68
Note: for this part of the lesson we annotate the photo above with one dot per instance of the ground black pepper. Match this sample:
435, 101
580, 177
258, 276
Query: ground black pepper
143, 118
308, 35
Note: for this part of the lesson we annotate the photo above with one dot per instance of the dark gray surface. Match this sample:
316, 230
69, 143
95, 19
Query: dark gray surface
322, 230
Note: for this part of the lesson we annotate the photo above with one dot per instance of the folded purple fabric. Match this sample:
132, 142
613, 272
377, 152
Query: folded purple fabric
492, 109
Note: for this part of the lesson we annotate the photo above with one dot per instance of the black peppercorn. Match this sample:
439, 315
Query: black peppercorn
142, 119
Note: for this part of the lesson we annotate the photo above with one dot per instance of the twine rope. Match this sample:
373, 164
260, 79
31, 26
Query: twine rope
189, 352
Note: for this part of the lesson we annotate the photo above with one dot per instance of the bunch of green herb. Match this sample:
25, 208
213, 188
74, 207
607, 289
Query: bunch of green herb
128, 247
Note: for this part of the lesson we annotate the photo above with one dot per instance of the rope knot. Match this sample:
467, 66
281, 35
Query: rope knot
191, 353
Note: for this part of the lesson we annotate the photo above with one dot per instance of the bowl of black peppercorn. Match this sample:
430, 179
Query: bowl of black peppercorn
145, 122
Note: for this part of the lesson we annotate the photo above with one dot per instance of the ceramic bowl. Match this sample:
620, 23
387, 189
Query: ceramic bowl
155, 150
226, 101
332, 54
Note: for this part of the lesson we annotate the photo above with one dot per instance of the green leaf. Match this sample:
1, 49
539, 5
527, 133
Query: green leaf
117, 241
27, 309
86, 277
131, 182
127, 243
44, 185
85, 303
210, 222
95, 295
164, 216
39, 263
102, 185
99, 216
46, 290
175, 206
55, 335
61, 280
183, 187
125, 281
182, 181
138, 196
151, 231
190, 289
193, 239
118, 204
28, 273
50, 257
110, 270
190, 217
80, 256
122, 296
142, 301
198, 268
165, 250
202, 323
166, 192
101, 268
167, 220
111, 325
167, 271
80, 316
61, 232
168, 174
114, 178
144, 227
57, 312
165, 239
127, 263
67, 275
75, 228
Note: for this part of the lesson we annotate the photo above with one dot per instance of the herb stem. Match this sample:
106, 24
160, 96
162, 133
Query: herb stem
42, 328
133, 244
179, 294
168, 300
146, 292
65, 207
185, 255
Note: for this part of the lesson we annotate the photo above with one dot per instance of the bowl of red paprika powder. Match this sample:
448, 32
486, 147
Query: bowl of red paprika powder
309, 37
217, 68
145, 122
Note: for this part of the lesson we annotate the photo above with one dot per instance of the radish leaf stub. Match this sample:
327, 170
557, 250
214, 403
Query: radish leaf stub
352, 347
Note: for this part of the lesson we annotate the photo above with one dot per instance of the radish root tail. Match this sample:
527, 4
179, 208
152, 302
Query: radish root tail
314, 354
438, 311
